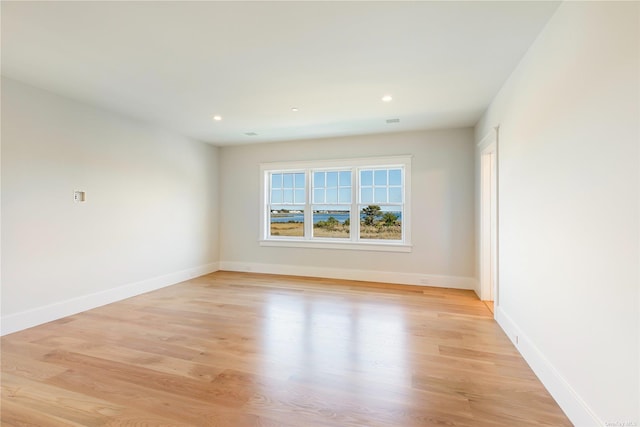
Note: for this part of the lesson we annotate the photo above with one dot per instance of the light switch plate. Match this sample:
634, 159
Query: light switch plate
79, 196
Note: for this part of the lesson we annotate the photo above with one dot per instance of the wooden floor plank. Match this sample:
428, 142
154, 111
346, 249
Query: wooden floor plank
246, 349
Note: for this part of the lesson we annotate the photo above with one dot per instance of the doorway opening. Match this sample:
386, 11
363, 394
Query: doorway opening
489, 221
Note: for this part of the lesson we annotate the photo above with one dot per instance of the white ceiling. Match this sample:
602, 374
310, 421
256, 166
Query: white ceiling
177, 64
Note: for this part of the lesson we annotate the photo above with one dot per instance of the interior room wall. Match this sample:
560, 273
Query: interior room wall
569, 217
150, 217
442, 210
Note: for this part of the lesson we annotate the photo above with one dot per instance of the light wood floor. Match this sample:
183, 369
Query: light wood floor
238, 349
489, 305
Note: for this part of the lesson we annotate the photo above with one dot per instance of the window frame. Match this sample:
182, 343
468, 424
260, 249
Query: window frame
353, 241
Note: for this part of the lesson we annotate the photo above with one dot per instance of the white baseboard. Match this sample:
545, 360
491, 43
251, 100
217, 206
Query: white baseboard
37, 316
476, 289
351, 274
568, 399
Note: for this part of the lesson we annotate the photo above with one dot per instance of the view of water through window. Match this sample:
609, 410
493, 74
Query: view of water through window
374, 223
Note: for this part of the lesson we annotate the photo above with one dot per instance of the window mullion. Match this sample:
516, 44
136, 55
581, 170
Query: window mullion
308, 214
354, 218
388, 185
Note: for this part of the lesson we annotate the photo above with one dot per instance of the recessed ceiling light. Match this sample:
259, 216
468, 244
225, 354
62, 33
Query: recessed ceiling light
217, 118
294, 109
387, 98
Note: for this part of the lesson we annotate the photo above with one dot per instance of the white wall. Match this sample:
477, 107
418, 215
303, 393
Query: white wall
442, 204
150, 219
569, 209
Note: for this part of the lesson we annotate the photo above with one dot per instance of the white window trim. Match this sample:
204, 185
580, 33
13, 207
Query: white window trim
319, 243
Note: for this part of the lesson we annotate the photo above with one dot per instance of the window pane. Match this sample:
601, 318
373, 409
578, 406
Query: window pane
299, 180
332, 179
380, 177
287, 180
276, 180
345, 179
287, 196
378, 224
366, 177
318, 196
344, 195
318, 179
332, 195
381, 195
366, 195
276, 196
395, 177
395, 194
299, 196
287, 221
331, 223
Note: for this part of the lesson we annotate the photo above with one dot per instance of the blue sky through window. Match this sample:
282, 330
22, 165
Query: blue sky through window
287, 188
379, 186
332, 187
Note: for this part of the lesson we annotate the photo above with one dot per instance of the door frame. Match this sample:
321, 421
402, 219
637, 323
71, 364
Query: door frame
488, 257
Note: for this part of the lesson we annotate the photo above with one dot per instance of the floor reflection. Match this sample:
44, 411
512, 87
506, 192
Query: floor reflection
332, 337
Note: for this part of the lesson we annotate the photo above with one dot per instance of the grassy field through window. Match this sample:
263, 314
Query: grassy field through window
374, 224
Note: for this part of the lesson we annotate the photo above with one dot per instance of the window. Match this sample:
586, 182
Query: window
287, 200
331, 204
348, 204
381, 202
